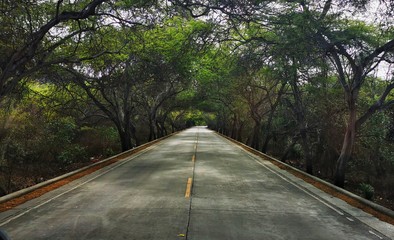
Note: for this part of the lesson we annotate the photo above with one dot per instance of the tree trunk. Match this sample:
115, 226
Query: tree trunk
163, 128
159, 129
152, 133
125, 139
256, 138
125, 133
234, 131
307, 151
268, 126
239, 133
299, 111
267, 139
287, 151
348, 142
134, 134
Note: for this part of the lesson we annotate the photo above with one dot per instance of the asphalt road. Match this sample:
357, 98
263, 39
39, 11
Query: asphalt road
194, 185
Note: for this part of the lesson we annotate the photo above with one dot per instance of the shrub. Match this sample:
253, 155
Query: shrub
73, 153
367, 190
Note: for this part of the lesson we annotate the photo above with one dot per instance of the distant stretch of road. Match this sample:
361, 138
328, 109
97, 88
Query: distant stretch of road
193, 185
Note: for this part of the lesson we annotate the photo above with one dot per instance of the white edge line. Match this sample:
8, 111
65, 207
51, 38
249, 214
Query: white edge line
72, 189
302, 189
256, 153
255, 158
373, 233
287, 180
350, 219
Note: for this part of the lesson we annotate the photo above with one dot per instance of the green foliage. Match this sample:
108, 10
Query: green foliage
358, 33
65, 129
99, 140
296, 152
156, 70
72, 154
367, 190
39, 139
127, 4
196, 118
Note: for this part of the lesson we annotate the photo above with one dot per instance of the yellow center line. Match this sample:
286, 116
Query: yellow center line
194, 158
188, 187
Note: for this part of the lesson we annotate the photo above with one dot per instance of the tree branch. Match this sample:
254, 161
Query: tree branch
378, 105
389, 46
21, 57
326, 8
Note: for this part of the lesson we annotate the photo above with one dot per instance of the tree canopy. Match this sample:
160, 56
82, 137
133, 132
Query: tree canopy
309, 82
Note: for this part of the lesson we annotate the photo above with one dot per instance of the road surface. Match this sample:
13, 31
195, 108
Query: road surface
193, 185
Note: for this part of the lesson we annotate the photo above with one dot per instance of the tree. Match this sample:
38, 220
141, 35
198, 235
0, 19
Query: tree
355, 50
138, 80
261, 90
29, 35
169, 51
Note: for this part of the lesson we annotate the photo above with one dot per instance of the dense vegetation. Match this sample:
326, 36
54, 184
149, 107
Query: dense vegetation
306, 81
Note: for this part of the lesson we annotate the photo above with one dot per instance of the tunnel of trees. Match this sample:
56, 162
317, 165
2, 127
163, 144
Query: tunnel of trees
308, 82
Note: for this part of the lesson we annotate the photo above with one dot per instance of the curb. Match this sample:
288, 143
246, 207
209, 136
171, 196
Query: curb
364, 201
124, 154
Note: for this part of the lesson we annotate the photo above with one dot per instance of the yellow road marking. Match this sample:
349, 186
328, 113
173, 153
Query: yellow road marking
188, 187
194, 158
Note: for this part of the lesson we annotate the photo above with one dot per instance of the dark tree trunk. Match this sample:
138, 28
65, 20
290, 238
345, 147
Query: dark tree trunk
299, 111
268, 126
159, 129
256, 136
152, 132
134, 135
234, 128
348, 141
125, 131
239, 134
307, 151
163, 128
125, 140
267, 139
